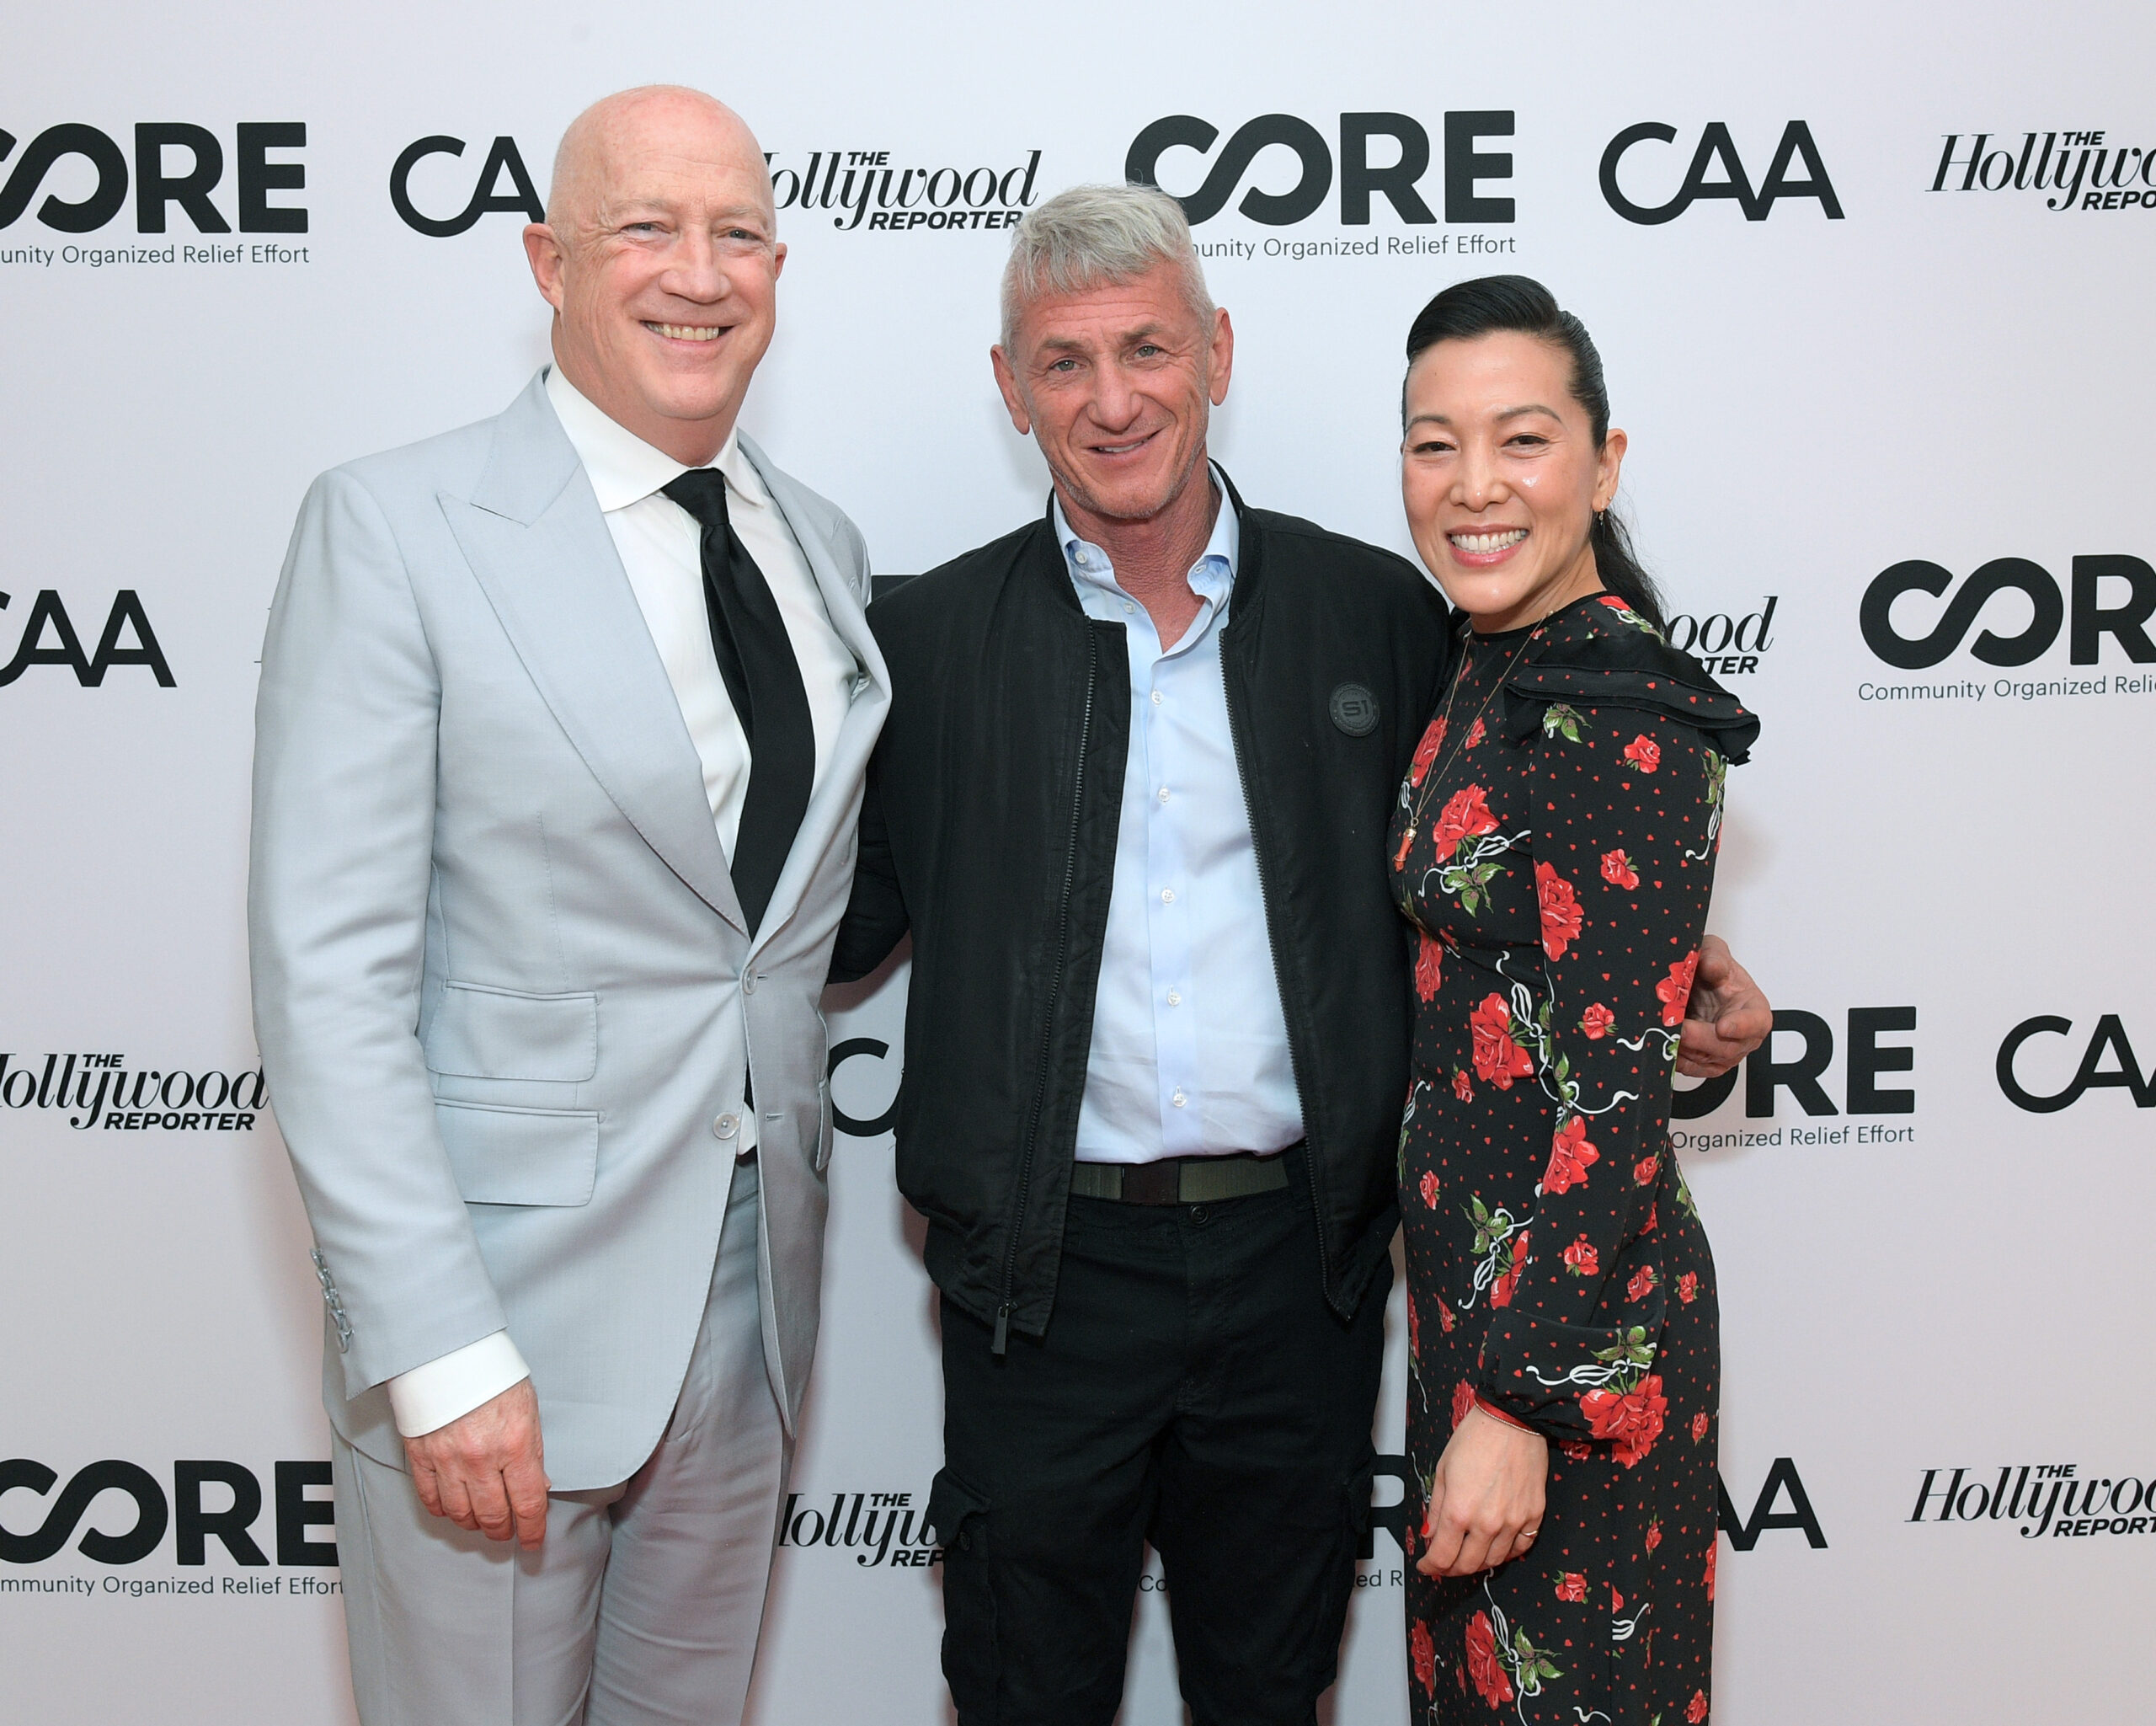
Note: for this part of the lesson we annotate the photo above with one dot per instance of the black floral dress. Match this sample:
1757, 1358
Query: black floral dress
1555, 848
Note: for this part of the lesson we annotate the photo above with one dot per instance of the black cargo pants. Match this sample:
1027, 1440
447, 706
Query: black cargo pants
1195, 1391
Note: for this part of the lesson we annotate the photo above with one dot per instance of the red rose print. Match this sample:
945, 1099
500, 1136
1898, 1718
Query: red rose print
1497, 1058
1489, 1677
1617, 870
1462, 1086
1596, 1021
1644, 1171
1560, 911
1714, 1546
1643, 752
1700, 1426
1614, 603
1641, 1285
1582, 1259
1577, 1449
1476, 734
1687, 1287
1429, 1188
1446, 1320
1676, 989
1616, 1602
1654, 1535
1633, 1420
1429, 958
1696, 1709
1653, 1220
1424, 1654
1414, 1329
1501, 1292
1400, 856
1426, 751
1570, 1154
1465, 816
1463, 1399
1572, 1586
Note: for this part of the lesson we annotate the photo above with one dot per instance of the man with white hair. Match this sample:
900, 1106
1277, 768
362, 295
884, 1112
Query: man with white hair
558, 761
1131, 801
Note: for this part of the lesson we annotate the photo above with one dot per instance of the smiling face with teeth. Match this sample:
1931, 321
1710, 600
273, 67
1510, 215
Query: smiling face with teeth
1502, 478
661, 258
1116, 382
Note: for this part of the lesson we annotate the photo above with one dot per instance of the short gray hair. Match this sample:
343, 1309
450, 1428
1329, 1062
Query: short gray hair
1092, 235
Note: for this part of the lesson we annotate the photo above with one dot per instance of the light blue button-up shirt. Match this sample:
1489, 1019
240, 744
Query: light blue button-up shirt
1190, 1047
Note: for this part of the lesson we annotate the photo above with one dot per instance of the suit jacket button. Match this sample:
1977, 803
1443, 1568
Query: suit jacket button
725, 1126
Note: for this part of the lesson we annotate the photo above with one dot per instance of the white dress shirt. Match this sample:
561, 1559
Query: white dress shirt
661, 548
1190, 1046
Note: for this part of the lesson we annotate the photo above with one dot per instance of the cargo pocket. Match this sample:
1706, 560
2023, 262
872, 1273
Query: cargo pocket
505, 1156
959, 1517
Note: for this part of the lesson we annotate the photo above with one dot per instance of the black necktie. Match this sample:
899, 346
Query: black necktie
755, 658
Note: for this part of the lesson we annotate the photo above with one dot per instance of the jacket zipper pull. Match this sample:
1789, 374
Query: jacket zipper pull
1001, 1345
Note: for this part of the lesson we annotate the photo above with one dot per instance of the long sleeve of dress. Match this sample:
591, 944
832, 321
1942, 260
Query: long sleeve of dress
1625, 815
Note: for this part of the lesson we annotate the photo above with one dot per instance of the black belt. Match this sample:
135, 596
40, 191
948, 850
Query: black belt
1182, 1180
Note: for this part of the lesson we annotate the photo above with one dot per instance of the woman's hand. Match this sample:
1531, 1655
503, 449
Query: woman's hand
1486, 1500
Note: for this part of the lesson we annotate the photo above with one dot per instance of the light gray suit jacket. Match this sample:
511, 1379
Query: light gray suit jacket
502, 987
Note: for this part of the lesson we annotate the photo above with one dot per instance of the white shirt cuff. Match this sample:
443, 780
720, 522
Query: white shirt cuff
449, 1387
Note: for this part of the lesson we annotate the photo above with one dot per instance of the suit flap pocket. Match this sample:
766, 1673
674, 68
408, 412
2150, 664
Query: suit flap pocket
480, 1033
521, 1156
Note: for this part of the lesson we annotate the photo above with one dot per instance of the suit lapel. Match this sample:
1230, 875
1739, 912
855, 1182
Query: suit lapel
532, 532
836, 801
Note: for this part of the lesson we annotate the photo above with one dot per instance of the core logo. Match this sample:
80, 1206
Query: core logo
160, 182
49, 638
2117, 176
2107, 1039
95, 1492
1716, 146
1397, 178
2037, 588
1775, 1066
520, 199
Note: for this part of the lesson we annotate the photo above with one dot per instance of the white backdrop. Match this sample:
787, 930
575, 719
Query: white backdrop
1935, 845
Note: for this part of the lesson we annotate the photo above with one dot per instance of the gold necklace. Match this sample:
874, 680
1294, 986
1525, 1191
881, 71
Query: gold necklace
1444, 723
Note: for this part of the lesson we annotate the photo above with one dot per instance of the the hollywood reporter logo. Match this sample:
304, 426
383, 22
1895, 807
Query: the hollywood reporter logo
1725, 644
102, 1091
173, 164
1380, 155
2067, 169
2038, 1500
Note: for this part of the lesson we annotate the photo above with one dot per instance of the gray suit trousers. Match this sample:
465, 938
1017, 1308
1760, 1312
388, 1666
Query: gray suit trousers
643, 1603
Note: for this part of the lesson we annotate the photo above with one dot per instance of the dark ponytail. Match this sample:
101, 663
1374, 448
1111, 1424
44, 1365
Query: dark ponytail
1491, 304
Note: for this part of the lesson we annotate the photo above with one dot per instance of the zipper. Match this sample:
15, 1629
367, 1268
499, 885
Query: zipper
1296, 1060
1002, 1343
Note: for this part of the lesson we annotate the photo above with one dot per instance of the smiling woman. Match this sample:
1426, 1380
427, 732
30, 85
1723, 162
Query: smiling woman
1553, 847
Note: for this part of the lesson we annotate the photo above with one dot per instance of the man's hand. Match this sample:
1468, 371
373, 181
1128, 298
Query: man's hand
485, 1471
1485, 1497
1728, 1017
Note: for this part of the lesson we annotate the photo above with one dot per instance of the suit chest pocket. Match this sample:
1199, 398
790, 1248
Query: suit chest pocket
483, 1033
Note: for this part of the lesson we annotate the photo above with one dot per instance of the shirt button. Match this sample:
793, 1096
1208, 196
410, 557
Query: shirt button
725, 1126
1175, 998
1158, 697
1086, 559
1164, 794
1178, 1099
1128, 608
1167, 895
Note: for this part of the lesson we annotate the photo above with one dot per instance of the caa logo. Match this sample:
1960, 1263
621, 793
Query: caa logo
2108, 1037
49, 638
1715, 146
520, 199
1397, 180
158, 186
2047, 609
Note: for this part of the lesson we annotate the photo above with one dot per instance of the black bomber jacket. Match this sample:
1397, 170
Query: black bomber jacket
989, 832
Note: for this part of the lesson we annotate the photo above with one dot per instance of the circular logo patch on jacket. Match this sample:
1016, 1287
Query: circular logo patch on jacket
1354, 710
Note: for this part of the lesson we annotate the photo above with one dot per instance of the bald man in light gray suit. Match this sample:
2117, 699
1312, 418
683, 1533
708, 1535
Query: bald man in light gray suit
560, 741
